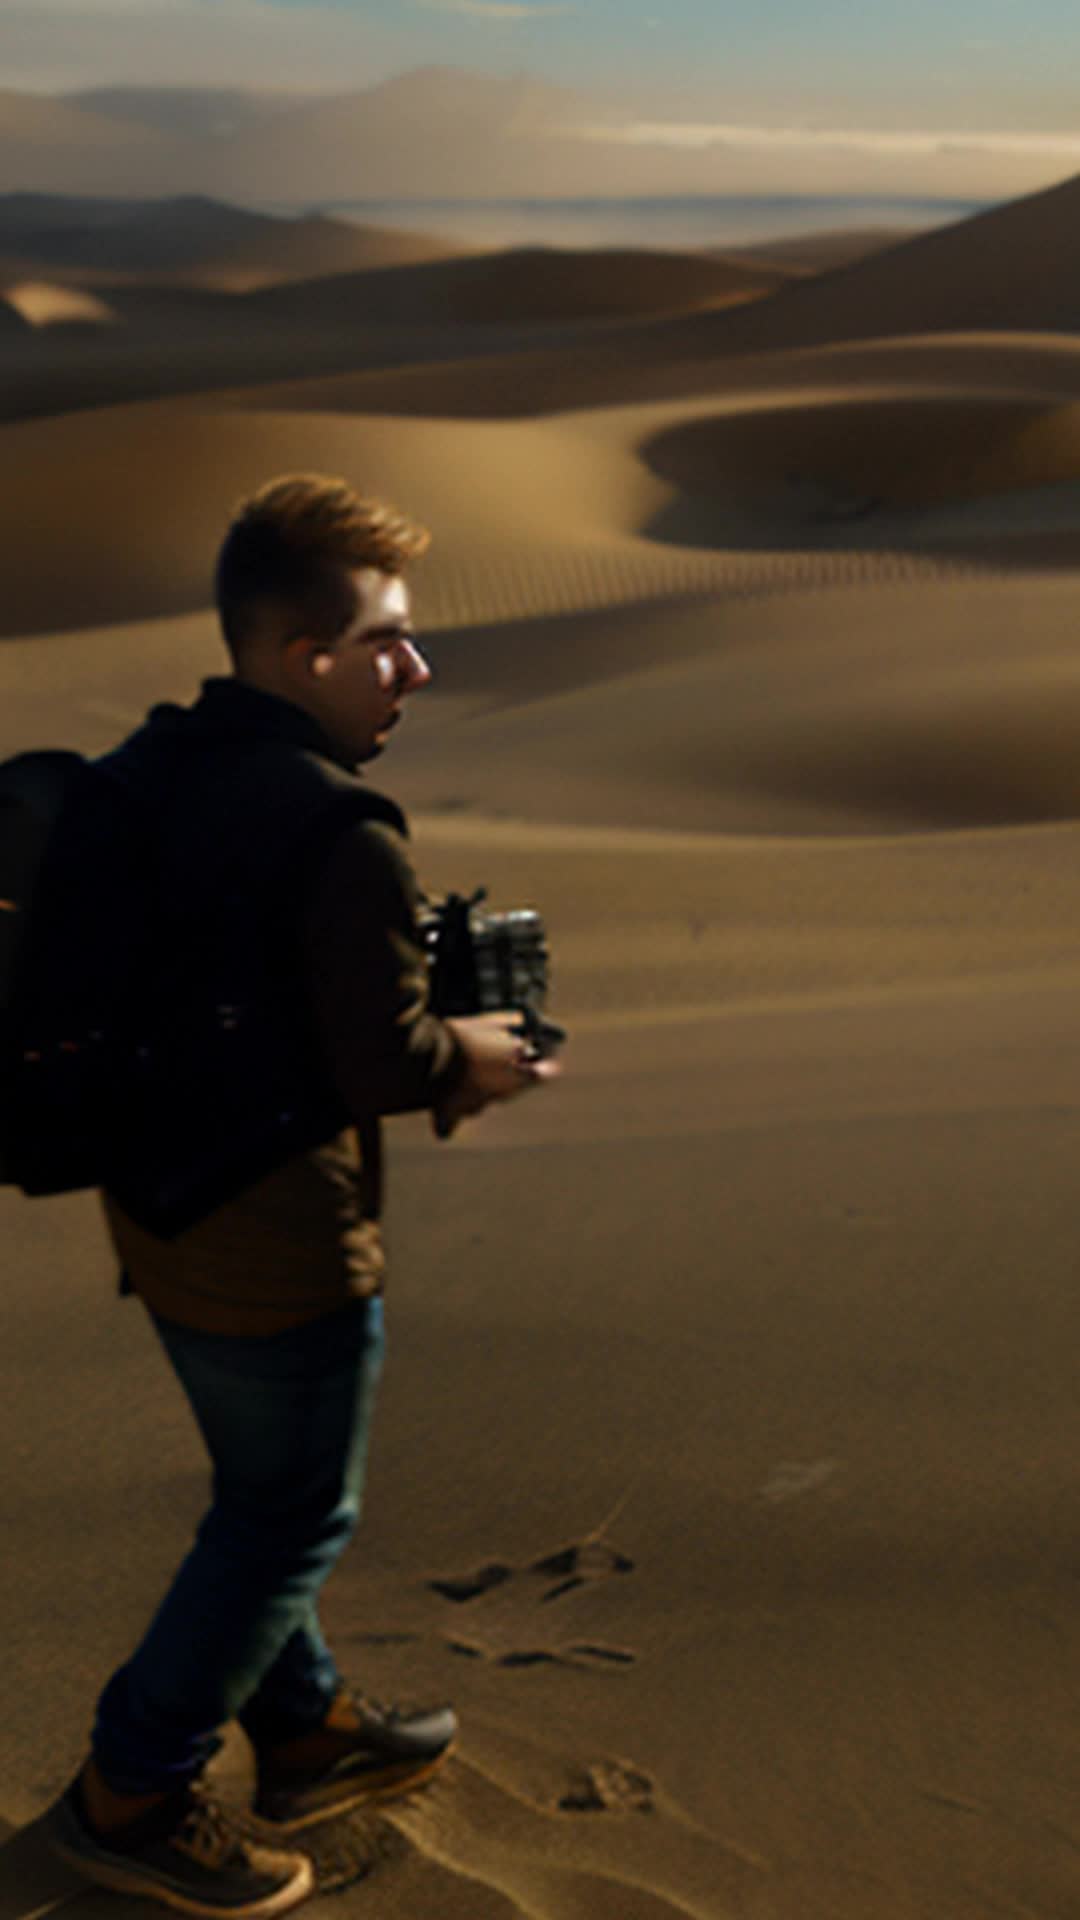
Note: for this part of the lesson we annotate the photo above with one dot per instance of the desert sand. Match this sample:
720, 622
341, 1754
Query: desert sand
727, 1471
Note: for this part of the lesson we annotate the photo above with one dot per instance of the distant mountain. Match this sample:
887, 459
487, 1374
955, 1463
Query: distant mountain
186, 111
434, 133
49, 146
190, 237
45, 220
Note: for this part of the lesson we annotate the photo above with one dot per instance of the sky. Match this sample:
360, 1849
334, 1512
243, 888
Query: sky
1002, 73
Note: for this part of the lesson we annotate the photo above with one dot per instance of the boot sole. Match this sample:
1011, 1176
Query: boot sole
352, 1795
119, 1876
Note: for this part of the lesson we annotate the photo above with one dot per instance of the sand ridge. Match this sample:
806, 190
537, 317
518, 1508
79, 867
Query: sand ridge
640, 324
814, 252
642, 365
578, 513
533, 286
598, 508
251, 313
43, 304
194, 241
1011, 268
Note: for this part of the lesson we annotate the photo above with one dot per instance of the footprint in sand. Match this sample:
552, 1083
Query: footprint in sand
581, 1564
507, 1639
577, 1565
460, 1587
792, 1478
379, 1638
351, 1849
610, 1786
344, 1850
582, 1653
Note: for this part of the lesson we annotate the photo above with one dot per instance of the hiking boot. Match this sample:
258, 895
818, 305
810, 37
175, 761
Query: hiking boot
361, 1752
184, 1852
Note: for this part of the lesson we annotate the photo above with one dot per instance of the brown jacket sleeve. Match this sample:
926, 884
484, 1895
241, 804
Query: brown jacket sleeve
387, 1051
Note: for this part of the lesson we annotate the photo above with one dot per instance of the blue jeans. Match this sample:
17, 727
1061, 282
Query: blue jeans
286, 1421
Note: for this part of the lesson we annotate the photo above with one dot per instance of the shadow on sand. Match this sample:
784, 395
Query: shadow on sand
34, 1884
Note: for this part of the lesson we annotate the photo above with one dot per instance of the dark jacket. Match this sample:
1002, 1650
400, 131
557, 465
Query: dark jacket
285, 1011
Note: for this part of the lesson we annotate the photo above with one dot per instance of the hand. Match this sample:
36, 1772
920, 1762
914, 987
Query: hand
500, 1066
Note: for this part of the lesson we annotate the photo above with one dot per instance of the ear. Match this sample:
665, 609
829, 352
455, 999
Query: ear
308, 659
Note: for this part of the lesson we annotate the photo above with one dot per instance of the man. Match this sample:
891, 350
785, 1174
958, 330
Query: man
268, 1304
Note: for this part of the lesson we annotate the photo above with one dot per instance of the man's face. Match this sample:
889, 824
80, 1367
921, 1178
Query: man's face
359, 682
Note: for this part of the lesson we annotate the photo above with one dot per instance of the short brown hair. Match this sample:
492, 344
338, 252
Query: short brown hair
293, 544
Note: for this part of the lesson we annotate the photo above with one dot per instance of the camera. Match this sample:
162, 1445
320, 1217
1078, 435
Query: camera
481, 961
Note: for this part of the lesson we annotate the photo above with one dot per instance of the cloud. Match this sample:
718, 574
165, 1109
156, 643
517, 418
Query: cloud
52, 45
13, 11
511, 10
699, 137
55, 45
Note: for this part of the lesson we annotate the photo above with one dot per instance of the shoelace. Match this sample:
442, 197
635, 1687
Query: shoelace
369, 1708
206, 1833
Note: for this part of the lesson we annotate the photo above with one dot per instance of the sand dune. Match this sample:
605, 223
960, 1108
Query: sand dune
195, 241
815, 714
725, 1472
631, 326
174, 472
583, 516
860, 450
818, 252
44, 304
639, 364
1011, 269
594, 509
202, 327
834, 457
13, 325
531, 287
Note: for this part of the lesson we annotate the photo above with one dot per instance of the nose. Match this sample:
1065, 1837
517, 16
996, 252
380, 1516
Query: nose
415, 672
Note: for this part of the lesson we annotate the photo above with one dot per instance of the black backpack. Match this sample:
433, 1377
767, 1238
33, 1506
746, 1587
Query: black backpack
59, 988
160, 1054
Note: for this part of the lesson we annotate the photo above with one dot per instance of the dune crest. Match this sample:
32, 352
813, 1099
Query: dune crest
534, 287
631, 366
1012, 268
195, 241
43, 304
544, 517
833, 457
